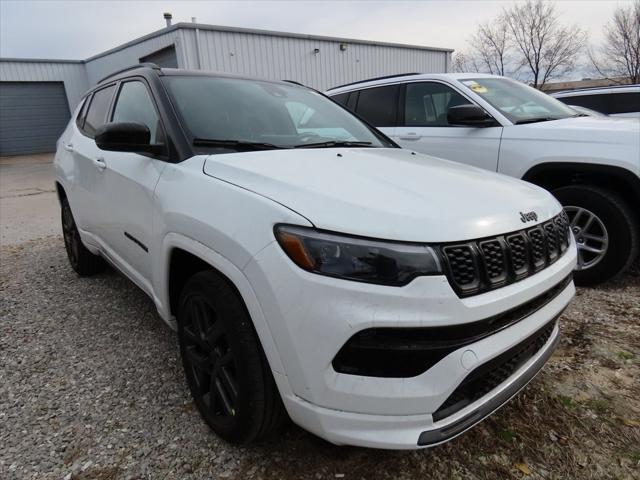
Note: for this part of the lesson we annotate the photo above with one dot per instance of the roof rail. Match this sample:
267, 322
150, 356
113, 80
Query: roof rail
376, 78
295, 82
587, 89
131, 67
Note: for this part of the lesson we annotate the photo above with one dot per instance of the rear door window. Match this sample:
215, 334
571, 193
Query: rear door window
379, 105
98, 110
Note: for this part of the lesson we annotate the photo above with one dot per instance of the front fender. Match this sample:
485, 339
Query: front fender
234, 274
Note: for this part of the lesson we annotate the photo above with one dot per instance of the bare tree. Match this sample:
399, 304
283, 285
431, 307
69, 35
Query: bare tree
465, 62
547, 48
491, 46
619, 56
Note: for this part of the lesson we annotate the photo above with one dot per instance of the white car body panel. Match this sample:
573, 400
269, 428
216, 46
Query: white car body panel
383, 203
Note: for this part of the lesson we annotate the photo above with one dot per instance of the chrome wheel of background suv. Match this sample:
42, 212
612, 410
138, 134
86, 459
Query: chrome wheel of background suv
591, 236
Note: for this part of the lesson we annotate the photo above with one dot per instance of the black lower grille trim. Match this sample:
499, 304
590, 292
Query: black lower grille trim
450, 430
490, 375
408, 352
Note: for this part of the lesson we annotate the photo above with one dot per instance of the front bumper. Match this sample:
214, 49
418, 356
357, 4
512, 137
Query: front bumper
311, 317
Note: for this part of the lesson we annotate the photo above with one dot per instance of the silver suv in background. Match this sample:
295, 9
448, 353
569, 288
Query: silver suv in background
617, 101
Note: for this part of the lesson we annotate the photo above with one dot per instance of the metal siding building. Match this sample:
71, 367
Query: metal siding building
317, 61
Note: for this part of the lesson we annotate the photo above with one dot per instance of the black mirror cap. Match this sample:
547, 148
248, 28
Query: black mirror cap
125, 137
469, 116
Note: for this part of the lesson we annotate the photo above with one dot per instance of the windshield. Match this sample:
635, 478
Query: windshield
234, 114
518, 102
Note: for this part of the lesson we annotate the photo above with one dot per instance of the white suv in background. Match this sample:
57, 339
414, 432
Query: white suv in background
619, 101
591, 164
385, 298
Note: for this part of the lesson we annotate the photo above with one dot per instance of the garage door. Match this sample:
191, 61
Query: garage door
32, 116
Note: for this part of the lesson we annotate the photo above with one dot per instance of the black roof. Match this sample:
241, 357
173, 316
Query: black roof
151, 68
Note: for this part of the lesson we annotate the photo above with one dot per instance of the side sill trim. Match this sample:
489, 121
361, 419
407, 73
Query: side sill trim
136, 241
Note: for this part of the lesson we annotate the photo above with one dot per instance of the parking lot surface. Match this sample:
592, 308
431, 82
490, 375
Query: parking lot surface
91, 387
28, 204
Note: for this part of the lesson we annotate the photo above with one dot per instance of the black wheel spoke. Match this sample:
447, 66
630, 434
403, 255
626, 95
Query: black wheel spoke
200, 362
211, 360
214, 334
194, 338
229, 382
222, 396
199, 318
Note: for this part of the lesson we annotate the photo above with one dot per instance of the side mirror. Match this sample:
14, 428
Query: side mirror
469, 116
126, 137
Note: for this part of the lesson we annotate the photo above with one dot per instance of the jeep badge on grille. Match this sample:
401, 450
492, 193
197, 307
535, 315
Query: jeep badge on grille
528, 217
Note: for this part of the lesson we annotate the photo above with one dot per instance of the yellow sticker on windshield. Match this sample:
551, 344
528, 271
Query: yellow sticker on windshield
476, 87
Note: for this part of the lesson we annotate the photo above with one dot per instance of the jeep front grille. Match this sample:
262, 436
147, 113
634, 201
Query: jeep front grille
478, 266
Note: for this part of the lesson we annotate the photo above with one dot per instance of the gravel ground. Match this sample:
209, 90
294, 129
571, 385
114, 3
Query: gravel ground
91, 387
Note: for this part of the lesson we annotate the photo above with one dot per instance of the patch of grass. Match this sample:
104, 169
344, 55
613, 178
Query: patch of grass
567, 402
623, 355
599, 405
507, 435
634, 456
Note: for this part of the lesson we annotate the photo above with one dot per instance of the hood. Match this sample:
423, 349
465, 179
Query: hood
586, 129
386, 193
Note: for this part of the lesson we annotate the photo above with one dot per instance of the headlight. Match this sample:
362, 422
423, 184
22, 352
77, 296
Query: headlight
359, 259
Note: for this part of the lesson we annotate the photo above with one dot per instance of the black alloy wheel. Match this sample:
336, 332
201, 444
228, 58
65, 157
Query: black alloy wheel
81, 259
227, 372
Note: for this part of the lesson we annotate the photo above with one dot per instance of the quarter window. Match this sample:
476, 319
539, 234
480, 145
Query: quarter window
97, 113
378, 105
134, 104
426, 104
82, 113
341, 98
625, 102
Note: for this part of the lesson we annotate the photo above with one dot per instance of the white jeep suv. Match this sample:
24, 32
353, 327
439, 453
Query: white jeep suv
591, 164
377, 296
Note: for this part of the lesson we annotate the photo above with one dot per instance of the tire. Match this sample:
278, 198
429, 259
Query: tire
226, 369
614, 221
82, 261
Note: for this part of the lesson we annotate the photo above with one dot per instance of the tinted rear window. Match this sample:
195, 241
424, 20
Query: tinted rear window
608, 103
379, 106
625, 102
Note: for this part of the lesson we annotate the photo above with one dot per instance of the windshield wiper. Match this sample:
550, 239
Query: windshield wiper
237, 144
536, 120
333, 143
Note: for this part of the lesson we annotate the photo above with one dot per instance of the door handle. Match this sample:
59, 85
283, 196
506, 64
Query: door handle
99, 162
410, 136
68, 147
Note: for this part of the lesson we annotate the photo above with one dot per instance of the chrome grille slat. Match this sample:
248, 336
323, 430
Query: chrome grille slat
481, 265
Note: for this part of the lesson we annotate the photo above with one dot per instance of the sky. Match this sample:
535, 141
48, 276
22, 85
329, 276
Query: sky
82, 28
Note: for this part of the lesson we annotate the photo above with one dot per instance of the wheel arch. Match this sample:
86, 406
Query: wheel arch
184, 257
62, 194
559, 174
